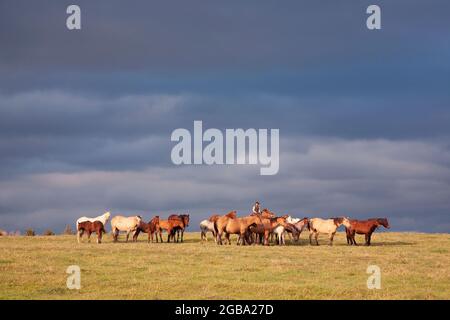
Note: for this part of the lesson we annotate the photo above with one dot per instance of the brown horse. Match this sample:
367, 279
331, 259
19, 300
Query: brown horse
267, 226
170, 226
365, 227
238, 226
151, 228
221, 221
184, 218
90, 227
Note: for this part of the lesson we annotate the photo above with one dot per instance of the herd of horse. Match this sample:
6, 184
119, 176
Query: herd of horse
256, 228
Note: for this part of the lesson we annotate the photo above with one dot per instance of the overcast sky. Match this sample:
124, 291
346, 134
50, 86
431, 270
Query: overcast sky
86, 116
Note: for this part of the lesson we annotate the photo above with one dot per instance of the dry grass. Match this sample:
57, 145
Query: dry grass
413, 266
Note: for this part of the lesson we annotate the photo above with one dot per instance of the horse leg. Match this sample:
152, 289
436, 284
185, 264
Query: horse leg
227, 237
79, 235
352, 238
242, 238
310, 238
99, 236
89, 236
367, 239
115, 233
135, 235
331, 238
317, 240
290, 237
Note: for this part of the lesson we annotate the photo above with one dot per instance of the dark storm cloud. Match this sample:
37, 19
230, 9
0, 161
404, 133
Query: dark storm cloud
86, 116
199, 35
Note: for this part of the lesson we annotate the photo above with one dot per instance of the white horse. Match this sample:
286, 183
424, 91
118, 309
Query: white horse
127, 224
206, 226
328, 226
103, 219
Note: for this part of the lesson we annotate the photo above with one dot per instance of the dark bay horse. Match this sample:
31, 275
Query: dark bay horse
151, 228
184, 219
365, 227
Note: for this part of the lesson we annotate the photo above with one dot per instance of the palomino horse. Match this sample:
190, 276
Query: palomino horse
89, 227
103, 219
365, 227
238, 226
205, 227
127, 224
220, 222
328, 226
170, 226
151, 228
184, 218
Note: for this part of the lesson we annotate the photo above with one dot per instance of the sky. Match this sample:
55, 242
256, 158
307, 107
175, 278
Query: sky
86, 116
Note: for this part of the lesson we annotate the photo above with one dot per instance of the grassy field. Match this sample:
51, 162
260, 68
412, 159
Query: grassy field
413, 266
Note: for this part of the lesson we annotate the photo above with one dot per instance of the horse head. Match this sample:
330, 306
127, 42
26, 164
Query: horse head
185, 218
154, 221
307, 224
384, 222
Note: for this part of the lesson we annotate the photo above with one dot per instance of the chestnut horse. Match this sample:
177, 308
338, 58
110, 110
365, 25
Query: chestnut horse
151, 228
329, 226
89, 227
365, 227
170, 226
238, 226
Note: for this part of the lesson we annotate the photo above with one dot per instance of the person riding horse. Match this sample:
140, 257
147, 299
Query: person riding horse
256, 208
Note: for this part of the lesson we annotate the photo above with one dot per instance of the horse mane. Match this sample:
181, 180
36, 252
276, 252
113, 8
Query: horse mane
338, 220
231, 214
214, 217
